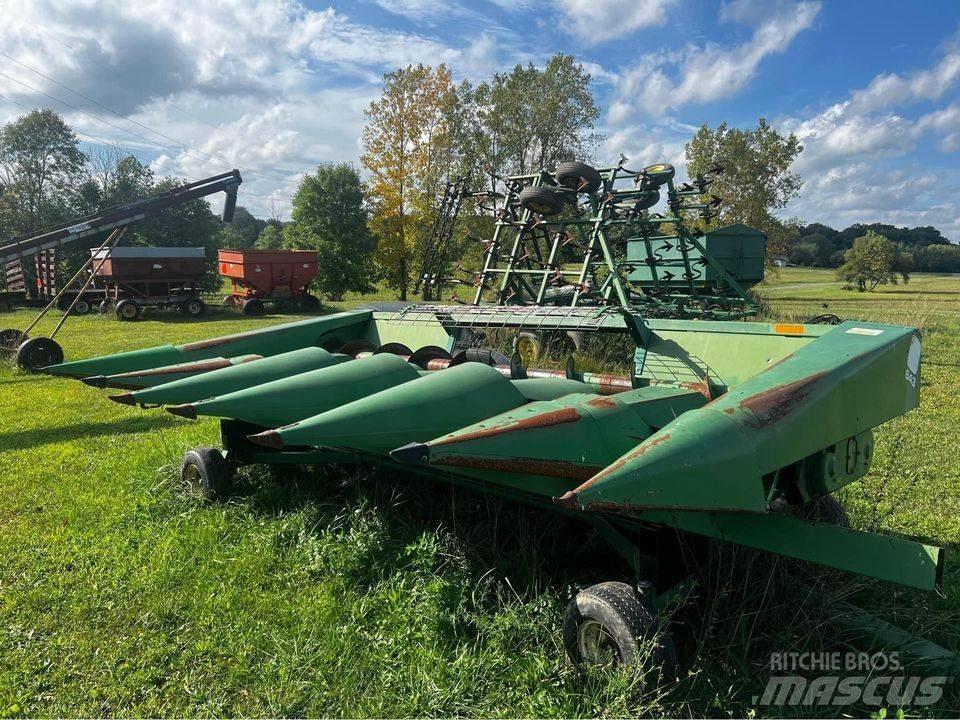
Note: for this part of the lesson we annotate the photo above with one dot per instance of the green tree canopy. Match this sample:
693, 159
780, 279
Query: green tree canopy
329, 217
756, 179
271, 238
874, 260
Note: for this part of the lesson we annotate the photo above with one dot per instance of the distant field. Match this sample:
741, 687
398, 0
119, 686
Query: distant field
352, 593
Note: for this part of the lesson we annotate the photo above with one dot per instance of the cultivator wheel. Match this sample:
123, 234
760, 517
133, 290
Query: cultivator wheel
579, 177
541, 200
612, 624
37, 353
204, 473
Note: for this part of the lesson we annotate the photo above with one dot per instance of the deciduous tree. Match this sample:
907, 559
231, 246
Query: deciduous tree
329, 216
874, 260
756, 177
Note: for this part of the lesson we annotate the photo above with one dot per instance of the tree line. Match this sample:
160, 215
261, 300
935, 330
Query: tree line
371, 224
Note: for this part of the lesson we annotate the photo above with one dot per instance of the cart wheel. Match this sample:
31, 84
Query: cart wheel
310, 303
81, 307
529, 346
229, 301
205, 473
37, 353
579, 176
127, 310
253, 307
541, 200
657, 175
11, 339
104, 307
194, 307
612, 624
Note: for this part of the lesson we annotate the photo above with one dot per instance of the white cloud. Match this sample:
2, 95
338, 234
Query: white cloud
701, 74
890, 90
596, 21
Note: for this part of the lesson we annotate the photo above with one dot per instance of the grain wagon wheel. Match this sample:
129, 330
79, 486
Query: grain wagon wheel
128, 310
611, 624
309, 303
541, 200
579, 176
194, 307
205, 473
254, 307
81, 307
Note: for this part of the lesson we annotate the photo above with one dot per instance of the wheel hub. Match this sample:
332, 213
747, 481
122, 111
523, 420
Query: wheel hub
596, 645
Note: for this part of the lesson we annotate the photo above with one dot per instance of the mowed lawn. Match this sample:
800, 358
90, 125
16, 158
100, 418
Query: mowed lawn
353, 592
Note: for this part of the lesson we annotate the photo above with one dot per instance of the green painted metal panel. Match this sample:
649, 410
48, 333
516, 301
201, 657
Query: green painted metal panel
549, 447
739, 249
894, 559
289, 399
855, 377
416, 411
231, 379
267, 341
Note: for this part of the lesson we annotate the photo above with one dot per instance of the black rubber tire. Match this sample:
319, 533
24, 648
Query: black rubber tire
628, 627
81, 307
579, 176
194, 307
648, 200
104, 307
541, 200
38, 353
12, 339
826, 509
309, 303
127, 310
254, 307
205, 473
659, 174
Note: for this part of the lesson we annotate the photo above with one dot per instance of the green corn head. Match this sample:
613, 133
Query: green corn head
727, 430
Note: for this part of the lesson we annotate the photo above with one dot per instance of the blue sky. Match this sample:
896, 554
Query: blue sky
274, 88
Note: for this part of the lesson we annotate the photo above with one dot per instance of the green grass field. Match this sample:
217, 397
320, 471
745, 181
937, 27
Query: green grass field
349, 592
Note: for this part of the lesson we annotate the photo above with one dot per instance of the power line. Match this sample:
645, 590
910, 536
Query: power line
149, 141
133, 151
119, 114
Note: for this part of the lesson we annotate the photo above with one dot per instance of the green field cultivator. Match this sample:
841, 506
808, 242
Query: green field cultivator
717, 431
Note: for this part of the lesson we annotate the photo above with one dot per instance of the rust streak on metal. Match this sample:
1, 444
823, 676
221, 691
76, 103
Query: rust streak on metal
213, 342
197, 367
541, 420
602, 402
620, 462
776, 403
530, 466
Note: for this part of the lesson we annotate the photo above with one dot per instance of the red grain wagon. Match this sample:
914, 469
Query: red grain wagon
134, 278
278, 276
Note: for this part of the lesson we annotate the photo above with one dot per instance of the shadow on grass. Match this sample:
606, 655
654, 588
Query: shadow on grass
23, 439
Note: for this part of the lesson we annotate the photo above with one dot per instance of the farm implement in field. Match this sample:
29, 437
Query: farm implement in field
713, 431
130, 278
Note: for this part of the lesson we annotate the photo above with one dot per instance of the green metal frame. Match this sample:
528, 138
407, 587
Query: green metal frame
531, 259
